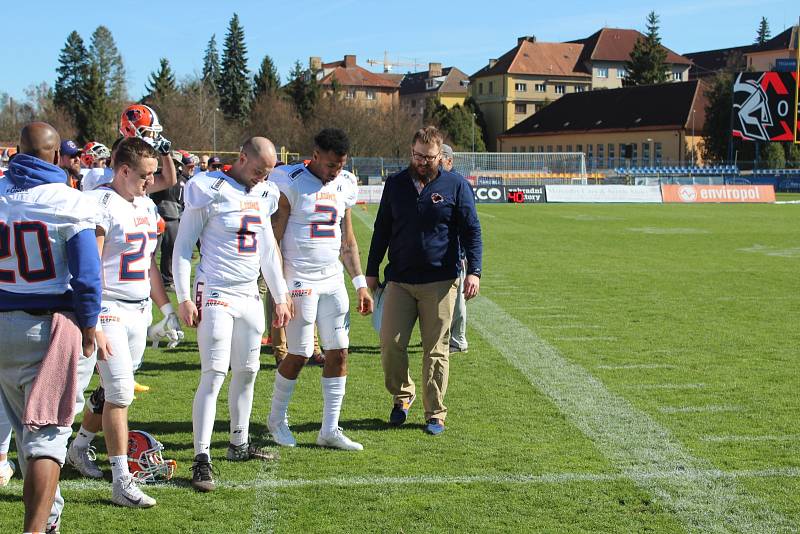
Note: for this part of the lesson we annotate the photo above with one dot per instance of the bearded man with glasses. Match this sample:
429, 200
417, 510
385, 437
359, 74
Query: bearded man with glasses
424, 214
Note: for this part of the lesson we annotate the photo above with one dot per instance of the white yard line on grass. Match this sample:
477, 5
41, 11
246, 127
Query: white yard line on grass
748, 439
265, 502
270, 484
666, 386
708, 408
632, 440
637, 366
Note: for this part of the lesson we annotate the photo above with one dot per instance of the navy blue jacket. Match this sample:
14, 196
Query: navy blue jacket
422, 231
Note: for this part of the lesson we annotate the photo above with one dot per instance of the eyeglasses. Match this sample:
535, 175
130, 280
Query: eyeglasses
423, 157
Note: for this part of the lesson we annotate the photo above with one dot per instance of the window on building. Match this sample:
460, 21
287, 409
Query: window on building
541, 148
601, 72
540, 87
580, 88
677, 76
561, 89
657, 150
646, 153
370, 94
530, 149
601, 158
622, 73
590, 156
634, 152
480, 88
611, 156
351, 94
491, 88
549, 148
559, 148
513, 149
622, 152
413, 103
520, 109
569, 148
520, 87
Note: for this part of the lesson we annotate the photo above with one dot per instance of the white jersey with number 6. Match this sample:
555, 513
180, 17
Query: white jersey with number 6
235, 232
130, 242
313, 236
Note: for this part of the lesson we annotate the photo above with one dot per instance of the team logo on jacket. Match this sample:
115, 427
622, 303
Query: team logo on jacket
214, 294
436, 198
298, 283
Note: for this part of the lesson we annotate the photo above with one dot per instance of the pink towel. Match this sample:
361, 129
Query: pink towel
52, 397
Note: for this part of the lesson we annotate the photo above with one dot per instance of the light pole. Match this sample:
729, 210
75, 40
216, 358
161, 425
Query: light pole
694, 160
214, 129
474, 118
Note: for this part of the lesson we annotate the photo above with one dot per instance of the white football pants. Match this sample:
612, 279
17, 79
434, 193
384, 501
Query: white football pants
228, 336
125, 327
324, 302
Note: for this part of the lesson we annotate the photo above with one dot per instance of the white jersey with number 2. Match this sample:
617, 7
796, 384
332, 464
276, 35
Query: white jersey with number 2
313, 236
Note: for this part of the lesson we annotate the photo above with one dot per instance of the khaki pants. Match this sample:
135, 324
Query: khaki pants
433, 304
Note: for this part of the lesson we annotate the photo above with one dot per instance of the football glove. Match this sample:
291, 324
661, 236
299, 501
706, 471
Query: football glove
168, 329
163, 145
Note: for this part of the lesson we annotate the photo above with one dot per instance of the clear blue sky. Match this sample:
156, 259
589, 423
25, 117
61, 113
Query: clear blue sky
462, 34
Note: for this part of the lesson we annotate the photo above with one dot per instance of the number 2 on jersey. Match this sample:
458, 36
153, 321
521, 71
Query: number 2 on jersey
46, 272
324, 228
126, 272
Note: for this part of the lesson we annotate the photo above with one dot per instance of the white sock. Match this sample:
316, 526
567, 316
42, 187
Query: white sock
204, 411
281, 395
84, 438
332, 395
240, 403
119, 466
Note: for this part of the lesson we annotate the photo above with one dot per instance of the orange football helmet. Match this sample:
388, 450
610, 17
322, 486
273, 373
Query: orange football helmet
144, 458
139, 120
94, 151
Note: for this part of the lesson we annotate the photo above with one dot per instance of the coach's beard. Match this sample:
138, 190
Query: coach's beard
423, 177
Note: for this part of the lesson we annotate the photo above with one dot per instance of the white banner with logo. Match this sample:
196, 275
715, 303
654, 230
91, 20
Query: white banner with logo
370, 194
604, 193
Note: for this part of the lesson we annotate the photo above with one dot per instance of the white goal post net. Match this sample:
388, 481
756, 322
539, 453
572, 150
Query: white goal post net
521, 168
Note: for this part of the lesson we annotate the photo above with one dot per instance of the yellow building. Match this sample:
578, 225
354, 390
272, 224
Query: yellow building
449, 85
754, 57
531, 75
523, 80
631, 126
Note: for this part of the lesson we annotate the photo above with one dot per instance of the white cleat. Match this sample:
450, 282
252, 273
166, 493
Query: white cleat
281, 434
126, 492
338, 440
6, 472
84, 461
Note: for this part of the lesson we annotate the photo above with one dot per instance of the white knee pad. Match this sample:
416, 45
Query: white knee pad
120, 393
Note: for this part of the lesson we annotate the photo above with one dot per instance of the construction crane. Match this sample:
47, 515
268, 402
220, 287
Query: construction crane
387, 65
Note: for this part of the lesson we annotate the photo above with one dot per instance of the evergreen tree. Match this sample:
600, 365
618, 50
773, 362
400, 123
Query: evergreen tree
718, 118
303, 90
458, 123
648, 58
103, 53
763, 33
234, 88
773, 155
73, 65
266, 81
97, 119
793, 156
161, 82
211, 68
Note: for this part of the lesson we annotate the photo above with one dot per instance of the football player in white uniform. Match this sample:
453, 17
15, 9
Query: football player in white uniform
141, 121
48, 265
314, 227
230, 213
126, 238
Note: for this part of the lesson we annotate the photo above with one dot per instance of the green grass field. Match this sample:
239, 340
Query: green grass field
632, 368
